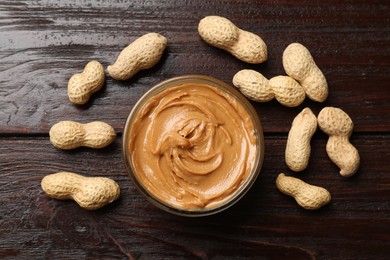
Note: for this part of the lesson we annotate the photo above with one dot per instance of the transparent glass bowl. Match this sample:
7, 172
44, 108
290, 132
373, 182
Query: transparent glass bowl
205, 80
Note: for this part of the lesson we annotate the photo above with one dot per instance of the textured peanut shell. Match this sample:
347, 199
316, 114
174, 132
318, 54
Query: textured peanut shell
253, 85
307, 196
141, 54
89, 192
339, 126
299, 64
69, 135
256, 87
222, 33
287, 91
82, 85
298, 148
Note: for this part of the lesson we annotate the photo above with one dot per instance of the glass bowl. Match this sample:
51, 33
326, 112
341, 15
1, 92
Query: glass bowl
175, 84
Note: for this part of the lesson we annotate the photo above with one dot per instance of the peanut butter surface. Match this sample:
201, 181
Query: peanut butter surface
192, 146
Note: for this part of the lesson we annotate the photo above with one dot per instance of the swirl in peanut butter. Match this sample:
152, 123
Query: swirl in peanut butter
192, 146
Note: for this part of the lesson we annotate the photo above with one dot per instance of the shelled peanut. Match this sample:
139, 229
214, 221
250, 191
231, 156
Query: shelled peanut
307, 196
69, 134
299, 65
256, 87
339, 126
141, 54
89, 192
82, 85
298, 147
222, 33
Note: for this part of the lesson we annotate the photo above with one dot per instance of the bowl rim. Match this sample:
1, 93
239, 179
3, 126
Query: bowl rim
213, 82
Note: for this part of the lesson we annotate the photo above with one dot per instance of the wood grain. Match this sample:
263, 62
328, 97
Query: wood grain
43, 43
347, 42
264, 224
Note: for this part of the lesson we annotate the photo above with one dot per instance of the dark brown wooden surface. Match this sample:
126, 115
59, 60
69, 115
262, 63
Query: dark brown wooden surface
42, 43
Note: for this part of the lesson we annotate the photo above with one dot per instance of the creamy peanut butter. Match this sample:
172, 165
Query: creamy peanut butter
192, 146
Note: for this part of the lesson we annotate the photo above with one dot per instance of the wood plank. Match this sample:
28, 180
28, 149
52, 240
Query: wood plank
264, 224
42, 43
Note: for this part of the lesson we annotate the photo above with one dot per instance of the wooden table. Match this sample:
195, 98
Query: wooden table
43, 43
